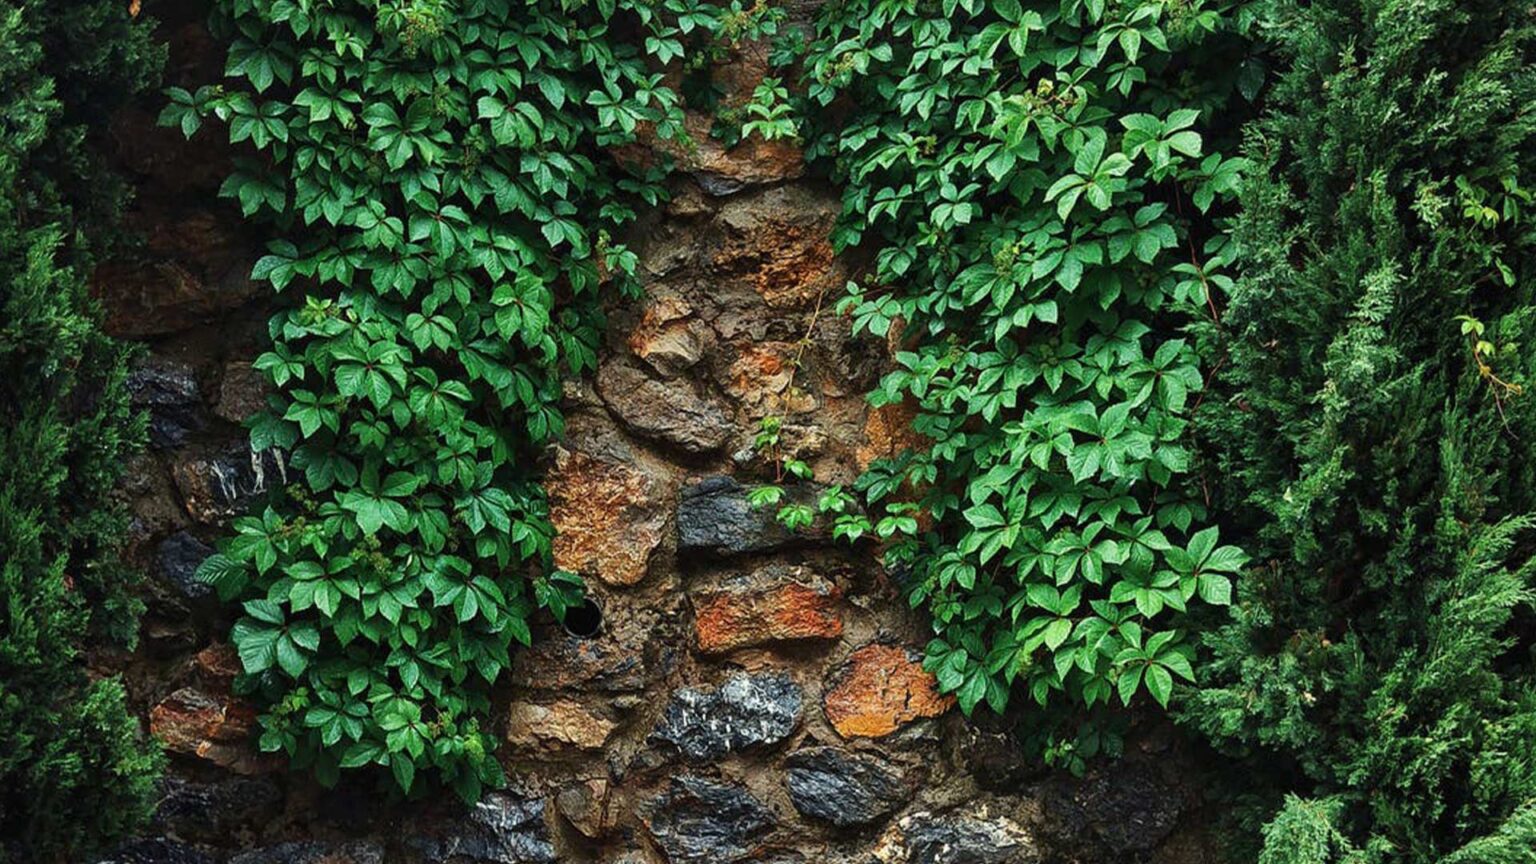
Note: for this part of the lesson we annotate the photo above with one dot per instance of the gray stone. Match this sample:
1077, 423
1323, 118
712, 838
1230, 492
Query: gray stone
714, 517
179, 556
155, 850
501, 829
1126, 812
699, 821
168, 390
209, 811
843, 788
933, 838
746, 711
311, 852
667, 412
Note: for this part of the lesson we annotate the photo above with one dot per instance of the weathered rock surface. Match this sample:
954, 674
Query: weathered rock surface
752, 615
561, 723
668, 337
667, 412
698, 821
746, 711
168, 390
501, 829
1126, 811
207, 811
714, 517
607, 517
242, 392
179, 557
210, 726
314, 852
217, 484
879, 690
156, 850
843, 788
933, 838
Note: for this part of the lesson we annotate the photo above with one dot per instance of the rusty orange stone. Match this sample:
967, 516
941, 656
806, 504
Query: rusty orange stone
727, 620
211, 726
879, 690
606, 523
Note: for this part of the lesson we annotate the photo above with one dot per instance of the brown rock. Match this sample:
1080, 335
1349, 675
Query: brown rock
744, 617
215, 727
585, 806
879, 690
669, 412
219, 661
887, 432
763, 378
197, 267
561, 724
607, 518
242, 392
219, 482
668, 337
778, 241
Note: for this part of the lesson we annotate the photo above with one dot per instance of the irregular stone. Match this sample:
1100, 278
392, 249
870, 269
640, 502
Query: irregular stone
1126, 812
168, 390
714, 517
932, 838
879, 690
607, 518
888, 432
500, 829
668, 338
638, 647
179, 556
762, 379
313, 852
843, 788
778, 241
211, 811
221, 483
746, 711
242, 392
219, 660
212, 727
197, 266
760, 615
560, 723
585, 806
668, 412
698, 821
156, 850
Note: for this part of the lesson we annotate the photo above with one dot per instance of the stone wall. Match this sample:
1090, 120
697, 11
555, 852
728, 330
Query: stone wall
737, 693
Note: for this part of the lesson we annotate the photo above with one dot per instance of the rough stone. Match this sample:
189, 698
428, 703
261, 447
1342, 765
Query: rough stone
312, 852
669, 338
242, 392
500, 829
777, 241
762, 379
746, 711
698, 821
213, 727
208, 811
714, 517
219, 661
168, 390
1126, 812
156, 850
585, 806
560, 723
749, 616
217, 484
887, 432
637, 648
933, 838
607, 517
668, 412
879, 690
843, 788
179, 557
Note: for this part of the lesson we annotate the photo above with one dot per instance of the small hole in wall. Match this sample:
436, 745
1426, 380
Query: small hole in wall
584, 621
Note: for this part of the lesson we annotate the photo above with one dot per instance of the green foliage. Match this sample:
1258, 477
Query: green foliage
1372, 435
1037, 189
442, 178
75, 771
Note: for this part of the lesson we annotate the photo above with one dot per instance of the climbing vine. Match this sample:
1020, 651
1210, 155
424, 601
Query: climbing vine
1038, 191
441, 181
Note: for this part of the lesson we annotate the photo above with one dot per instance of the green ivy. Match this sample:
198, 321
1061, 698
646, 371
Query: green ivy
1036, 187
442, 176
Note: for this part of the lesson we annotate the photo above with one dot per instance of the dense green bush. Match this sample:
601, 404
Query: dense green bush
1037, 187
75, 772
443, 180
1372, 430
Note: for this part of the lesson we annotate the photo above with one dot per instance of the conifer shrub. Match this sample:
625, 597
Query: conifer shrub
1371, 435
75, 770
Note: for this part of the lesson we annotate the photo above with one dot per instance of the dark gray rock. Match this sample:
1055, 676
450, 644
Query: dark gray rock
715, 518
843, 788
168, 390
311, 852
501, 829
699, 821
668, 412
179, 556
156, 850
932, 838
746, 711
217, 483
210, 811
717, 184
1125, 812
